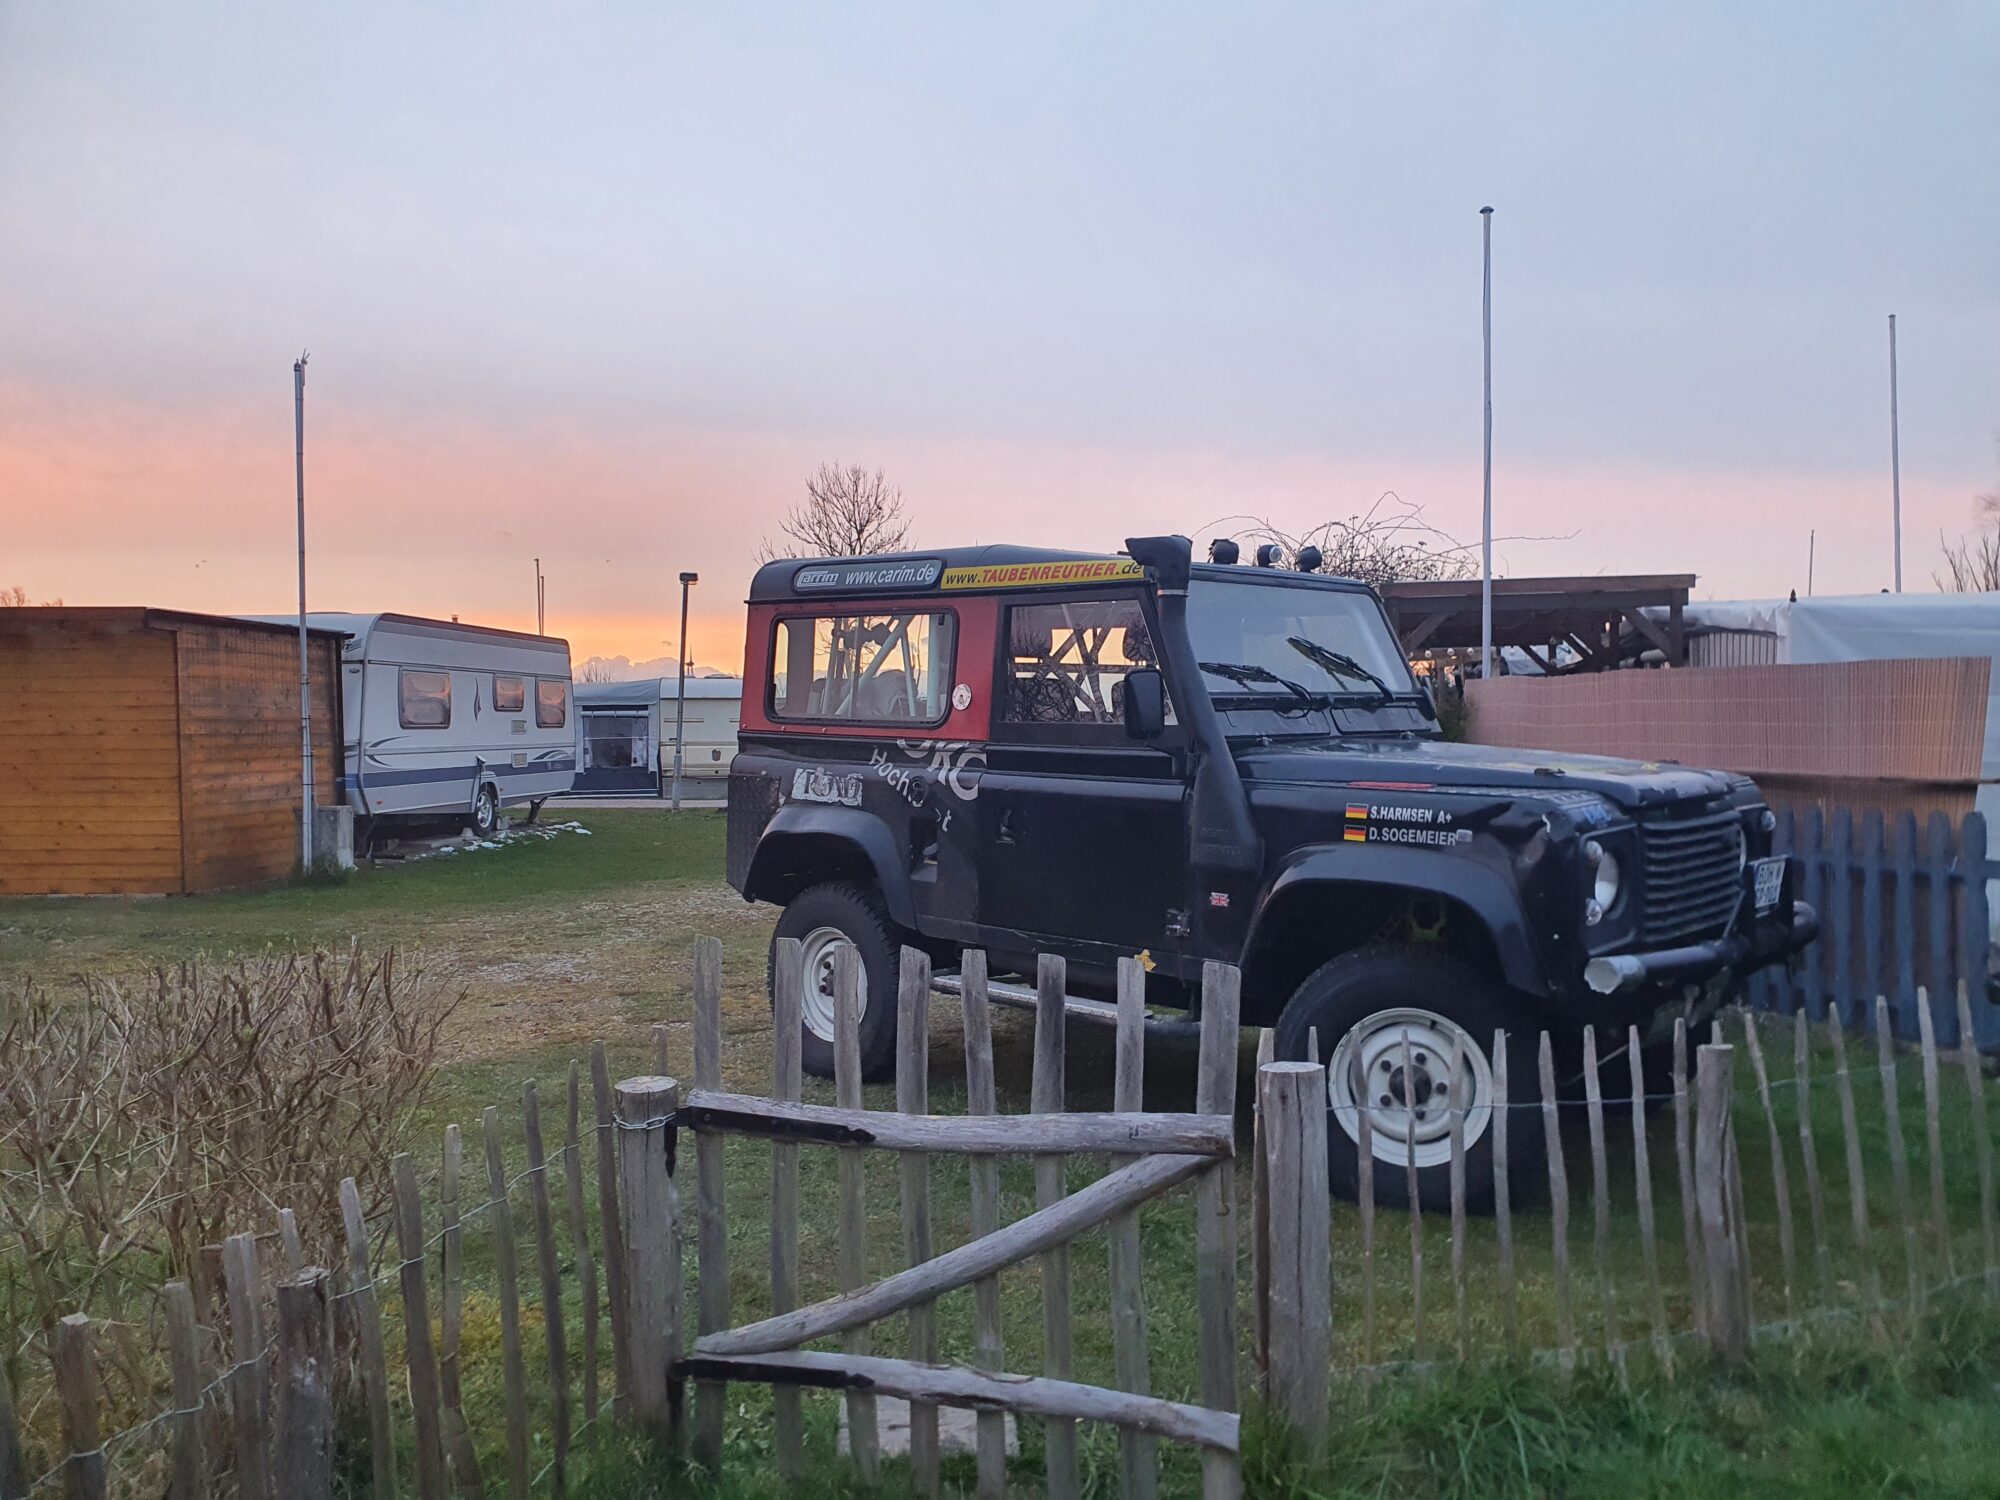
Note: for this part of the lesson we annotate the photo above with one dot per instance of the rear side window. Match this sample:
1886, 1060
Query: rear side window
424, 699
1066, 663
551, 703
510, 694
864, 669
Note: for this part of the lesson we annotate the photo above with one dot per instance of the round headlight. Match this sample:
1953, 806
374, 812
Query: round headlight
1606, 877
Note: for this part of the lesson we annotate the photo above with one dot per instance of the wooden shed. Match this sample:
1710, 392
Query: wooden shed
146, 750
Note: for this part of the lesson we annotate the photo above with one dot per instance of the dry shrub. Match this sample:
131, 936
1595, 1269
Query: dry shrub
141, 1121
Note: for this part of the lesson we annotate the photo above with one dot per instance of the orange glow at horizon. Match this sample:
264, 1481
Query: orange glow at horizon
442, 516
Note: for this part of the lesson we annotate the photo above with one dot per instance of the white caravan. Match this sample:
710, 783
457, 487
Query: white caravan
442, 718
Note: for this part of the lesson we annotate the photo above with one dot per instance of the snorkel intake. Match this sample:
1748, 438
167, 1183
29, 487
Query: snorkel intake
1221, 837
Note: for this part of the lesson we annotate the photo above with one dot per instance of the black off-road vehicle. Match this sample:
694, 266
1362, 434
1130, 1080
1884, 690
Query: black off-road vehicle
1108, 757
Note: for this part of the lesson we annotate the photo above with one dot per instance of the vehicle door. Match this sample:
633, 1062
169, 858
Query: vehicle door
1083, 830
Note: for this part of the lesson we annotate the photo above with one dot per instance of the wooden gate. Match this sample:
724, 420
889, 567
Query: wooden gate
1151, 1154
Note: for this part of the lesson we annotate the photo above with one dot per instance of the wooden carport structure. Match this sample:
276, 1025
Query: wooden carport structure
1601, 618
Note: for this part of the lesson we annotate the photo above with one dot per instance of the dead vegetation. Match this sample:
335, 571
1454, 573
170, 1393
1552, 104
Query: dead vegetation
141, 1120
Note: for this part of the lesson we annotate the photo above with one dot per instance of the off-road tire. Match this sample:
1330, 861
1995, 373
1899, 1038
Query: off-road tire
856, 911
1345, 993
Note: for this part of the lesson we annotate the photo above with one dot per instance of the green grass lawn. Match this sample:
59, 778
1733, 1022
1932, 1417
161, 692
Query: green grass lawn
580, 938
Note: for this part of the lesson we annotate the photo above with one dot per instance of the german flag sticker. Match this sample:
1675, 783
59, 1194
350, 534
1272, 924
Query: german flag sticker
1355, 835
1358, 811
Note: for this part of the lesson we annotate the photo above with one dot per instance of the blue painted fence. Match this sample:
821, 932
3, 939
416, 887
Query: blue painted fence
1900, 907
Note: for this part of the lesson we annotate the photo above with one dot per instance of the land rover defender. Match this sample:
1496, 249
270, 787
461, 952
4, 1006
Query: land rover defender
1138, 756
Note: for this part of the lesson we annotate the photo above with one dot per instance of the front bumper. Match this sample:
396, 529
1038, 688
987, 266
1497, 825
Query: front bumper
1767, 942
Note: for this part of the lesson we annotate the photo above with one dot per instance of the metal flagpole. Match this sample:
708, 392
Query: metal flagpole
1486, 518
680, 687
1895, 456
305, 658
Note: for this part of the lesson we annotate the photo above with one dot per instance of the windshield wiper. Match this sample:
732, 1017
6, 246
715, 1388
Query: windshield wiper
1244, 673
1341, 665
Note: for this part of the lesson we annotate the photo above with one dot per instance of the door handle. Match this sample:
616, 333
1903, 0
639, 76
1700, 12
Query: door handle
1010, 826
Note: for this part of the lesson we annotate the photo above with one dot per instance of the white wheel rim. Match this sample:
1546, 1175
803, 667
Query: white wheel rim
820, 948
1367, 1072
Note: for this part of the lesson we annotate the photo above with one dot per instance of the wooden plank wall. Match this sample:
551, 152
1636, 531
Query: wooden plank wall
89, 755
239, 749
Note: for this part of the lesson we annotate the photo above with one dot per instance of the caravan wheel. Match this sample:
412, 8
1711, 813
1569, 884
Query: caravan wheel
486, 811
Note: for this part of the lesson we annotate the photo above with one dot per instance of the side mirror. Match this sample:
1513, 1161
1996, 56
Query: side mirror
1145, 703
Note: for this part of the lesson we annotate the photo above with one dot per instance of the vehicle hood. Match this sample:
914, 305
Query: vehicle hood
1411, 763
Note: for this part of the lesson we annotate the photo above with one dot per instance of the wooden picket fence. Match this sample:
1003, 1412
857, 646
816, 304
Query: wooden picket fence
1152, 1154
1296, 1269
265, 1353
261, 1358
1902, 908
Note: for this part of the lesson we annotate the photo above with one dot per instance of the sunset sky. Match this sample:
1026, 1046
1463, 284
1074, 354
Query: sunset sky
604, 282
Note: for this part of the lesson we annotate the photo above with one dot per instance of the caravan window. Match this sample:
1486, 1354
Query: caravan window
510, 694
551, 703
878, 669
425, 699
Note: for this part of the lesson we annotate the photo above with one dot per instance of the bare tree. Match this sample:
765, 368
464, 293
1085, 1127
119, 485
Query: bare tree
847, 512
1972, 564
594, 670
16, 597
1390, 542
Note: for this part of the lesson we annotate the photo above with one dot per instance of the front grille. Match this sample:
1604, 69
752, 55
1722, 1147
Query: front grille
1692, 877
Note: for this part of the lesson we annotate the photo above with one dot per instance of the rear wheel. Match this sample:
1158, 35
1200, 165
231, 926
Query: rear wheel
1389, 1021
827, 919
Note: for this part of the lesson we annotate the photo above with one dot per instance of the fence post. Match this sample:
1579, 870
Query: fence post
13, 1472
1215, 1234
555, 1343
913, 1041
787, 1074
1047, 1094
507, 1276
1138, 1454
419, 1353
579, 1235
76, 1384
247, 1385
1299, 1360
863, 1430
711, 1225
184, 1361
983, 1173
650, 1229
611, 1223
1728, 1333
368, 1322
305, 1397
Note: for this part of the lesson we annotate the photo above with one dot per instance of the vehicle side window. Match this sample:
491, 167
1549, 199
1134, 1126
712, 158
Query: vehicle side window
510, 694
876, 669
551, 703
1066, 663
424, 699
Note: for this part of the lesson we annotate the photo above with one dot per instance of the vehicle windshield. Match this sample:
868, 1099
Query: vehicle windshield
1286, 642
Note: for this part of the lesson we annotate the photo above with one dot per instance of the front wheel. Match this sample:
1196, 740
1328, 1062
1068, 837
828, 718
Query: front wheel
827, 919
1389, 1021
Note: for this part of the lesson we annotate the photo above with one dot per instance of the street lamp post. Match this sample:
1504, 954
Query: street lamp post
688, 580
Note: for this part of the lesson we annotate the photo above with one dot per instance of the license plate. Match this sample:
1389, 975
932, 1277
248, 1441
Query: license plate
1770, 877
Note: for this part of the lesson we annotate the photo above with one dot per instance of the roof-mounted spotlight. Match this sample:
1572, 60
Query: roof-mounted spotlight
1268, 554
1309, 559
1223, 550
